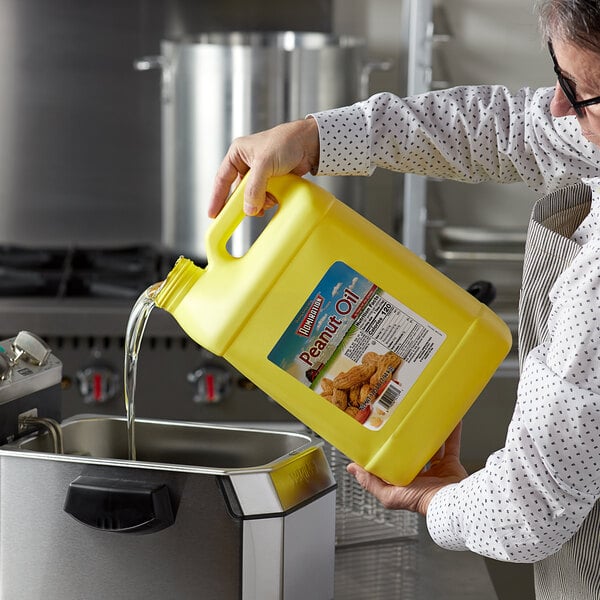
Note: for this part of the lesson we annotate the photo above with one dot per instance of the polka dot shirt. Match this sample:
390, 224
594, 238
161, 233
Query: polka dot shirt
471, 134
533, 494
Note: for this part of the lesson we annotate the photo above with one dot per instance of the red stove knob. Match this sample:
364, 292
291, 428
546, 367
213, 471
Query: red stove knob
211, 383
98, 384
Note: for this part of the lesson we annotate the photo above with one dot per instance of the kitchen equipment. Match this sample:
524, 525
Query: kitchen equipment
79, 300
324, 305
219, 86
220, 512
30, 377
207, 511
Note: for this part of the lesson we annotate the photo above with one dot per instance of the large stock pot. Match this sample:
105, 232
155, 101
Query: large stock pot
219, 86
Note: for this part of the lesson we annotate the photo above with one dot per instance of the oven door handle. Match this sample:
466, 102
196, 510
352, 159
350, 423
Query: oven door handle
119, 505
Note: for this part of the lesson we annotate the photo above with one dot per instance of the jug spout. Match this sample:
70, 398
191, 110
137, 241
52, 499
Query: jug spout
199, 304
180, 280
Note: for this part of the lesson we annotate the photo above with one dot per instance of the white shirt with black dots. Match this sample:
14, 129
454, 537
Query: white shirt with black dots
534, 493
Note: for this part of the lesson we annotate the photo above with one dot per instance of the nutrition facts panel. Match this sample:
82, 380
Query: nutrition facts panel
397, 328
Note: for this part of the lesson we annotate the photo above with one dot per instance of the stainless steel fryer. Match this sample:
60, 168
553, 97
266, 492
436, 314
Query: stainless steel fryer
206, 512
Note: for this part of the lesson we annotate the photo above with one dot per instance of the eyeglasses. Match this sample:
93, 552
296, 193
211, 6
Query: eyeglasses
568, 88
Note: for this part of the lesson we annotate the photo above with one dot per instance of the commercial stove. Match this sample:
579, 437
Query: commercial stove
79, 299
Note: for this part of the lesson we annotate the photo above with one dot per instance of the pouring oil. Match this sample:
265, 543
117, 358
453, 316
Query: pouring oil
349, 331
133, 341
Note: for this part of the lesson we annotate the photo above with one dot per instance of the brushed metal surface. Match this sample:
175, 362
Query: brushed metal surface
206, 553
205, 447
79, 129
47, 554
219, 86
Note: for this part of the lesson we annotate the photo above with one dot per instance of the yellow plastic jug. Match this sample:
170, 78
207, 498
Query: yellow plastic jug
361, 340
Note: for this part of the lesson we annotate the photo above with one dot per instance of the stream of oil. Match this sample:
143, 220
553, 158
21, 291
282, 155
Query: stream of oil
133, 341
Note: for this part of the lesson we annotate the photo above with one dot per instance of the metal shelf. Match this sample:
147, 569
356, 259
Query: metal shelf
427, 27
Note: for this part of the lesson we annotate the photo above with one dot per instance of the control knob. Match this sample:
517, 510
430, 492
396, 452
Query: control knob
98, 384
211, 383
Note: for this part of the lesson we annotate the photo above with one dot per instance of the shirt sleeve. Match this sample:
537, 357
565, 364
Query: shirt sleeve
533, 495
470, 134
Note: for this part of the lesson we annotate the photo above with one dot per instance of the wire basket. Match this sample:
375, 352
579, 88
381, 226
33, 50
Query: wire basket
378, 571
360, 517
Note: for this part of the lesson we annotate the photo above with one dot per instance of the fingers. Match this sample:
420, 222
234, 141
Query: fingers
452, 445
232, 169
450, 448
391, 497
371, 483
256, 192
256, 197
288, 148
226, 176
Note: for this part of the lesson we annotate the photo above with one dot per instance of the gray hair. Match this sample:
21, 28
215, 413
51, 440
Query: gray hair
574, 21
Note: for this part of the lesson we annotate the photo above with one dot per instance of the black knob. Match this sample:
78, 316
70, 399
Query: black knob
484, 291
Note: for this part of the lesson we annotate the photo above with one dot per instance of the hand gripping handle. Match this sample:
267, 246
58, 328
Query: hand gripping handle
232, 215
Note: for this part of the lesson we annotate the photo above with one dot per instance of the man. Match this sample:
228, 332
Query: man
536, 498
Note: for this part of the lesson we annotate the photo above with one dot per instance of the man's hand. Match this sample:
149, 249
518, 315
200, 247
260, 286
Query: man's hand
444, 468
288, 148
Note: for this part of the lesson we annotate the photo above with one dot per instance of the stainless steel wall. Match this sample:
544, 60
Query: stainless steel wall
79, 128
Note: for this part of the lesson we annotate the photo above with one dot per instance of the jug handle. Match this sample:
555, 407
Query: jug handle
232, 215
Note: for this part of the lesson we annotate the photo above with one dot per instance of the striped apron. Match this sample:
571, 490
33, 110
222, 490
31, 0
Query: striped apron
573, 572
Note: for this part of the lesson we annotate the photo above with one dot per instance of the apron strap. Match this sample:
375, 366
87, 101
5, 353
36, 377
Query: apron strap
548, 252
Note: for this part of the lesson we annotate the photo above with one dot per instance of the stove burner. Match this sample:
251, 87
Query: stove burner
28, 283
127, 261
30, 258
79, 272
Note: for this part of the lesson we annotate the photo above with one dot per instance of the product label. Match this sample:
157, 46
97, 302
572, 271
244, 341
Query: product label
357, 346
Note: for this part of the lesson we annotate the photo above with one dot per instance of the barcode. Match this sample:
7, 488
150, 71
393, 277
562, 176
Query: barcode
390, 395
